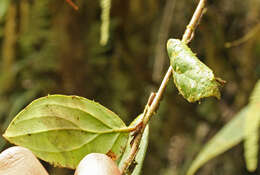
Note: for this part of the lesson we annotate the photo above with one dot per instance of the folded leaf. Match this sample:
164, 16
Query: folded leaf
226, 138
63, 129
193, 78
141, 152
251, 129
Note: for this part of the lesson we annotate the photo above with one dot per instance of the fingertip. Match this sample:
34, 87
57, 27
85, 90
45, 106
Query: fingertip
19, 160
97, 164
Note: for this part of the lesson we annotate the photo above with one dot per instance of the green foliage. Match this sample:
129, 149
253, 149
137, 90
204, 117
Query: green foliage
35, 27
138, 164
193, 79
251, 129
244, 126
3, 7
105, 21
57, 51
63, 129
226, 138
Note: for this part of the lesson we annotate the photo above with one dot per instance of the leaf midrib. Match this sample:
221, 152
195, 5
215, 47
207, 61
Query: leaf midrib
73, 108
76, 148
119, 130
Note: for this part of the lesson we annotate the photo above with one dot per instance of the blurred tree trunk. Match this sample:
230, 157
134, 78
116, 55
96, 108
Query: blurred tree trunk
68, 34
9, 48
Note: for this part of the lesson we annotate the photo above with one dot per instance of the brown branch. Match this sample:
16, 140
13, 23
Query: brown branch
72, 4
194, 22
151, 109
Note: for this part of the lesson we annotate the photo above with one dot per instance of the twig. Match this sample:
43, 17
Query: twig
194, 21
72, 4
245, 38
160, 55
151, 109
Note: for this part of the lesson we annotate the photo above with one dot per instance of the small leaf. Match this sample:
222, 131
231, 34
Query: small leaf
63, 129
141, 152
251, 129
193, 78
229, 136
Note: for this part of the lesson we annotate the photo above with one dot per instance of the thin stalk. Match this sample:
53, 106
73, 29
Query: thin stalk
245, 38
150, 107
187, 36
72, 4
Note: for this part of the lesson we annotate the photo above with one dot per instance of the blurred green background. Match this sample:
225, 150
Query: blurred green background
46, 47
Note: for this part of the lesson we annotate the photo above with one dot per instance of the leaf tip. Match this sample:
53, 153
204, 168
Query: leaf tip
220, 81
251, 168
4, 136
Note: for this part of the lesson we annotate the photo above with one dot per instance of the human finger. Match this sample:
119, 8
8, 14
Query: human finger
97, 164
19, 160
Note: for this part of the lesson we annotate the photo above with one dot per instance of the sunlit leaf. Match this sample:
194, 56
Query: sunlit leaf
63, 129
193, 78
141, 152
229, 136
251, 129
3, 7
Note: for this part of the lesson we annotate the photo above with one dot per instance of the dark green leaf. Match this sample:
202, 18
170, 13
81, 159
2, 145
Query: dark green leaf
226, 138
193, 78
63, 129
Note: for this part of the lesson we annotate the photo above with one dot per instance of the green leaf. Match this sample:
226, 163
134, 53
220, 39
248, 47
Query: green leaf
141, 152
63, 129
251, 129
193, 79
3, 7
229, 136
